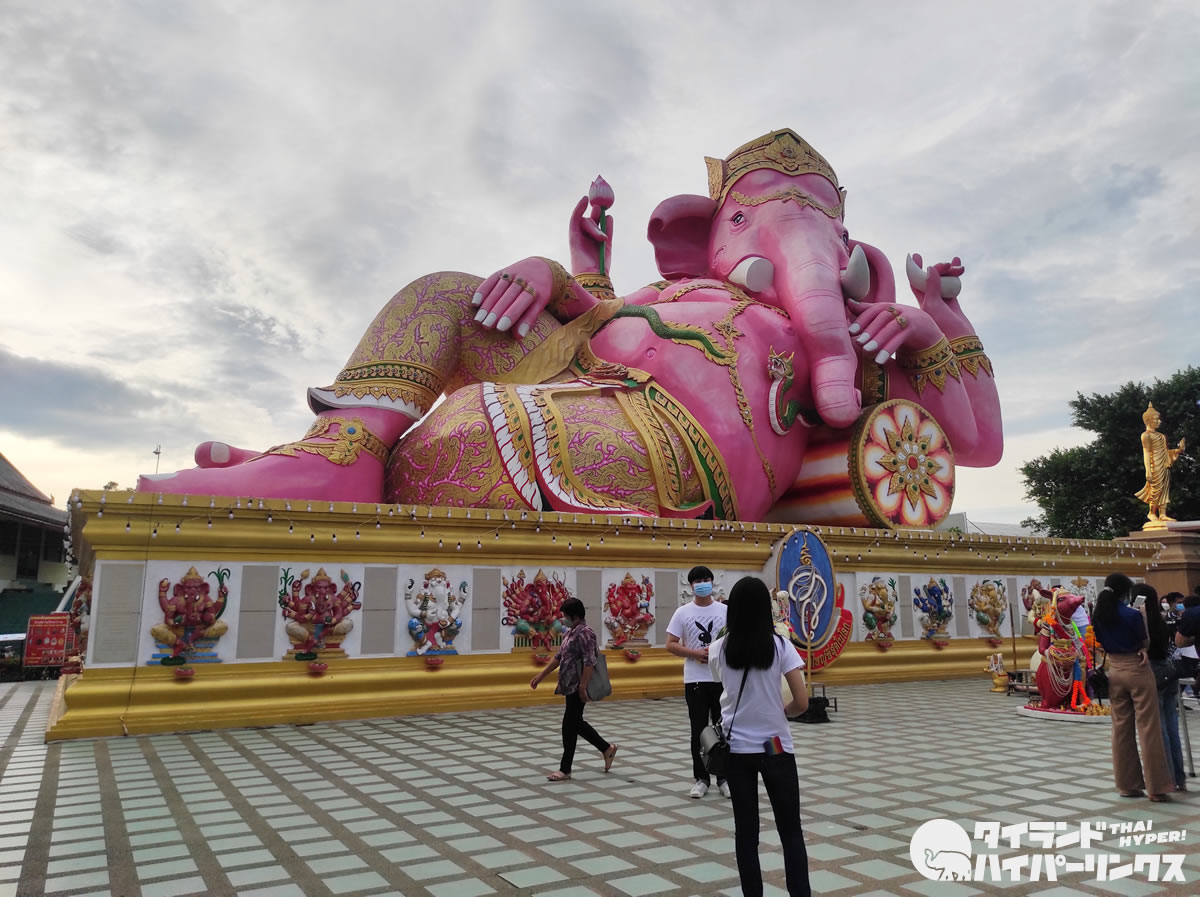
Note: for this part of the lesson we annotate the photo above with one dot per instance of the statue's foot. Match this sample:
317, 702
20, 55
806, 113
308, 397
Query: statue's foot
302, 476
220, 454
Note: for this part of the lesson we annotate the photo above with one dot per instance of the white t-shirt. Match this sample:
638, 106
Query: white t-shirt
697, 627
759, 716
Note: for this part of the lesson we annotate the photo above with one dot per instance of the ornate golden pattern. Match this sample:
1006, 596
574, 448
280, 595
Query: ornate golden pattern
605, 461
350, 440
730, 334
909, 462
517, 421
451, 459
720, 487
667, 469
790, 194
784, 151
874, 382
930, 366
968, 351
599, 285
409, 381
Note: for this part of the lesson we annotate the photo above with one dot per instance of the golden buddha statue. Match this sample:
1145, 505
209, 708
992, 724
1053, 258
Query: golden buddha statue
1158, 459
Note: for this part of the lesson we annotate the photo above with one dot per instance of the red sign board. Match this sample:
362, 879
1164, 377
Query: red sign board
46, 640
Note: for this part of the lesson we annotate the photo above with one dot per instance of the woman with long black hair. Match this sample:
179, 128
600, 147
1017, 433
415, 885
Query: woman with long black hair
1162, 653
1132, 694
749, 661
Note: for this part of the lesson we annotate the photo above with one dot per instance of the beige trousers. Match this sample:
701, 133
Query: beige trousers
1134, 701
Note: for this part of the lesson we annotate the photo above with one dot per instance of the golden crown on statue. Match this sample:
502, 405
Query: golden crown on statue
783, 150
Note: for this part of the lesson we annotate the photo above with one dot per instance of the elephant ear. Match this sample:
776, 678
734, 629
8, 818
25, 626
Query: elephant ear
883, 281
679, 231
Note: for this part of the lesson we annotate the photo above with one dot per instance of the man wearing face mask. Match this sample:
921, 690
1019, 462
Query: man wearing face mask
692, 629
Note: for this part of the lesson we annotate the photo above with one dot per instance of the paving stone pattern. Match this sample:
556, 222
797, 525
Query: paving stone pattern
457, 805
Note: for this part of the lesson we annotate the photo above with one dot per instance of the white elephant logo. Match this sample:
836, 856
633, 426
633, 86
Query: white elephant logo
953, 865
940, 850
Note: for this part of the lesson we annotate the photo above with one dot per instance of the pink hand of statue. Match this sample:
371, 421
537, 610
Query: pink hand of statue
515, 295
588, 241
937, 289
882, 329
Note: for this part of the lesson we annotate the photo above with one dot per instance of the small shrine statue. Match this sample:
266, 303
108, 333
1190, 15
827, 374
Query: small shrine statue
995, 666
435, 613
1158, 459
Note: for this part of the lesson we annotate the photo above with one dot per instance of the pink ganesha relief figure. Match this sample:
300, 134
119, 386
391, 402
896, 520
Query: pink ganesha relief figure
695, 396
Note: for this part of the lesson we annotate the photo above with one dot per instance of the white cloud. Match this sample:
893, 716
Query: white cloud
207, 204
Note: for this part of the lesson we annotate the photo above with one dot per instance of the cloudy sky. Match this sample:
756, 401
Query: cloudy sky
204, 204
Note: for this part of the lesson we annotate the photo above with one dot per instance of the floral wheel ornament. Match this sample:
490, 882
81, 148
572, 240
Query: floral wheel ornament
901, 466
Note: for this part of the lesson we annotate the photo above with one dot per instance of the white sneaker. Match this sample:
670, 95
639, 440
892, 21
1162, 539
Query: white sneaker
724, 786
699, 789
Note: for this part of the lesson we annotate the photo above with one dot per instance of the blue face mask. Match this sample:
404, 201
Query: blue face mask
702, 589
1179, 607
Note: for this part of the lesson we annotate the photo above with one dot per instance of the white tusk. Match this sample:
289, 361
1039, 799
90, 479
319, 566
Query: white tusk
856, 279
755, 273
915, 275
951, 286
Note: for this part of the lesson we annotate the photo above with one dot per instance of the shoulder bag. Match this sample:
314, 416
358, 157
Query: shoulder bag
714, 744
599, 686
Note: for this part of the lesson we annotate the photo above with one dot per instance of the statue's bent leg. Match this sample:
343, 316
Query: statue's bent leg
422, 340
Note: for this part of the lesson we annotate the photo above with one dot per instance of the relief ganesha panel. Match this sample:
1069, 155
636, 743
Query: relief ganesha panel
434, 603
188, 611
317, 613
530, 617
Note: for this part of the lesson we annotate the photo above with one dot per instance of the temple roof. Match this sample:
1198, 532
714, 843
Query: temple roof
21, 500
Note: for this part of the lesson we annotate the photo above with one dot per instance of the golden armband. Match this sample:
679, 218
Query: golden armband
930, 366
968, 351
599, 285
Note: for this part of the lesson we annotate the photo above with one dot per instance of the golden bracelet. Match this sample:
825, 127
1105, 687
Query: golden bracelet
968, 351
930, 366
599, 285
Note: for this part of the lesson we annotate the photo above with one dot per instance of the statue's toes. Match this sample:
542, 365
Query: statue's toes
220, 454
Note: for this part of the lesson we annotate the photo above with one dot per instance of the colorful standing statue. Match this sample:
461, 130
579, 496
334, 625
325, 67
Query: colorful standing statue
1062, 659
190, 613
989, 603
1158, 459
693, 396
627, 611
878, 599
319, 616
435, 613
935, 601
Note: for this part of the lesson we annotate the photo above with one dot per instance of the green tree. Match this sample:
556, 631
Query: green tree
1088, 492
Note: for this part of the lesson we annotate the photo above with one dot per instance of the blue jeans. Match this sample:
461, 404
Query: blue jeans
1168, 715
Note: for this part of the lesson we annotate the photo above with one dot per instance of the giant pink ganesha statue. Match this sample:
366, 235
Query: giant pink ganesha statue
694, 396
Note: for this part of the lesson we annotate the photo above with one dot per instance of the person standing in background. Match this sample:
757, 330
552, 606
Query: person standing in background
689, 634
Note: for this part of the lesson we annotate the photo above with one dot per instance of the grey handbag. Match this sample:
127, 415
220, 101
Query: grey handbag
714, 748
599, 686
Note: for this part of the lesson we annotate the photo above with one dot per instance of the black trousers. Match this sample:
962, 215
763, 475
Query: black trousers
783, 789
574, 725
704, 707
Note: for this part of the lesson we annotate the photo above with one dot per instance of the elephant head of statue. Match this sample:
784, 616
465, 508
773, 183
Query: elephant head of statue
773, 225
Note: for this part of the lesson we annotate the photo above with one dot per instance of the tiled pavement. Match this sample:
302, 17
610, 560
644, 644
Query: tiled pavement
457, 806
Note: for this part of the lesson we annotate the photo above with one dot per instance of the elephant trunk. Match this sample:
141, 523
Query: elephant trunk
811, 291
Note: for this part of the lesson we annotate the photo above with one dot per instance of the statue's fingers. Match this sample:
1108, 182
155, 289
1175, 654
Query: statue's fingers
490, 296
865, 320
500, 302
592, 229
525, 322
484, 288
512, 310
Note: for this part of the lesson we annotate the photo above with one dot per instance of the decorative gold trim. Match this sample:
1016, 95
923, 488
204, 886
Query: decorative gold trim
930, 366
351, 438
720, 486
599, 285
968, 351
791, 194
409, 381
668, 477
784, 151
